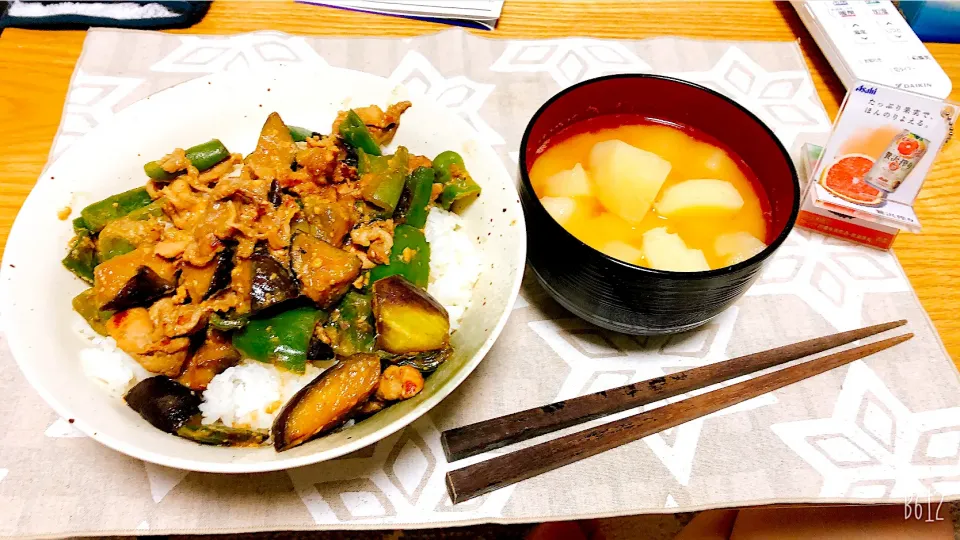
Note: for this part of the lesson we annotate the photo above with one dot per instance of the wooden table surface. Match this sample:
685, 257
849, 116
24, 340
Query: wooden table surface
35, 69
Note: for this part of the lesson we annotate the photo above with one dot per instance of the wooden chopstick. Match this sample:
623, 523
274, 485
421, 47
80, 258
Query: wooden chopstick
473, 439
475, 480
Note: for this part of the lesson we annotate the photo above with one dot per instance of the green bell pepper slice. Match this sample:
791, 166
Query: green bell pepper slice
459, 193
114, 247
80, 225
98, 214
85, 304
371, 164
415, 201
300, 134
228, 321
442, 163
82, 257
409, 257
202, 156
221, 435
383, 188
459, 188
111, 242
282, 339
355, 133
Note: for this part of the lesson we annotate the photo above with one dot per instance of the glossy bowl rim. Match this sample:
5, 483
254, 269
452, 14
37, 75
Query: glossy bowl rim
669, 274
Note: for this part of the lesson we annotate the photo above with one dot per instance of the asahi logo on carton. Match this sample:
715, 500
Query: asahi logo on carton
872, 90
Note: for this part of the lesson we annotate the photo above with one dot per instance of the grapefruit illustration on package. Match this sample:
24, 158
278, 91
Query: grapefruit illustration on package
845, 179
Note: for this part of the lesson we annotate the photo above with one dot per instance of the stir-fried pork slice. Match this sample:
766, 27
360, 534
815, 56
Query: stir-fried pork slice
381, 125
377, 236
136, 334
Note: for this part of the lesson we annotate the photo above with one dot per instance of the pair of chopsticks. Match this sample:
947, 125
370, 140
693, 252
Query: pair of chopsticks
485, 476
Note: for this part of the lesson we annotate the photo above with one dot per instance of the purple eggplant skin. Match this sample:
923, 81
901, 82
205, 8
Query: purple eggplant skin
271, 283
409, 320
327, 401
318, 350
424, 362
163, 402
273, 195
223, 273
142, 289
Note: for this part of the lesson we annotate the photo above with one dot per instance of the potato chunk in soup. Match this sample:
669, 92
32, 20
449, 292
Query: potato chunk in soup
652, 194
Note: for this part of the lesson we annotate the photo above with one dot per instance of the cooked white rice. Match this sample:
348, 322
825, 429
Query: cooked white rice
454, 263
252, 393
114, 370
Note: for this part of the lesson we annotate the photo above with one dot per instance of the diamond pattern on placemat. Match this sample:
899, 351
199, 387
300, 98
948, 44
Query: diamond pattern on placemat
785, 100
404, 477
205, 54
569, 61
831, 278
871, 446
459, 94
857, 452
91, 100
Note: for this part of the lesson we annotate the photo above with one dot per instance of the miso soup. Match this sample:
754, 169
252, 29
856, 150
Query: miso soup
652, 194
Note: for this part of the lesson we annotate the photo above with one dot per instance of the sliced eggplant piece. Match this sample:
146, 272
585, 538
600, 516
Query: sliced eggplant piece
367, 212
271, 283
425, 362
319, 348
327, 401
274, 194
220, 435
351, 327
329, 221
142, 289
275, 150
320, 351
204, 282
134, 279
325, 272
163, 402
211, 358
197, 279
409, 320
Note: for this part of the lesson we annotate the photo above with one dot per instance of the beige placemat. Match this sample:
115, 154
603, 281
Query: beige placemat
881, 430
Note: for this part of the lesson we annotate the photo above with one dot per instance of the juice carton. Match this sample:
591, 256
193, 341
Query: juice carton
832, 223
883, 143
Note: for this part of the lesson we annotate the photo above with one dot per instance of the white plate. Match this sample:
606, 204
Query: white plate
232, 107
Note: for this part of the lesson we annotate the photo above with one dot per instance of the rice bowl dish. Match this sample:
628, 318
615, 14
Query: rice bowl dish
278, 296
41, 330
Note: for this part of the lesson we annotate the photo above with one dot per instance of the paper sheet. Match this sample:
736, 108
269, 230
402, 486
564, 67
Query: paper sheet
476, 13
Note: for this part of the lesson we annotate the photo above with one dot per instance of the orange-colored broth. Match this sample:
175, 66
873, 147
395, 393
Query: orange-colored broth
688, 152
